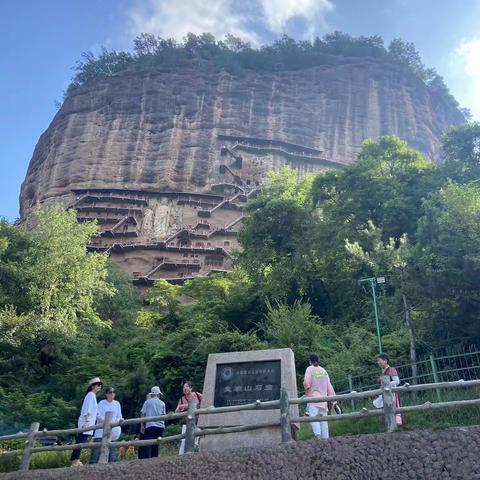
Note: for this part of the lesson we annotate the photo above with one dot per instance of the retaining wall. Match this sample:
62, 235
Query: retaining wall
449, 454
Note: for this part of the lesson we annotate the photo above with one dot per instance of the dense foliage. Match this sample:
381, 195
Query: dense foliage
68, 315
152, 53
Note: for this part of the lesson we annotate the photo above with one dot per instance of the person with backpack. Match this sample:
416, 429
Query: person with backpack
317, 384
182, 406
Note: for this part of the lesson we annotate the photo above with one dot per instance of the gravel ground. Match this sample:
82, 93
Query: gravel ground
450, 454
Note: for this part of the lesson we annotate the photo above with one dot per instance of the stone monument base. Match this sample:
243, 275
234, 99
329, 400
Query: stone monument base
265, 437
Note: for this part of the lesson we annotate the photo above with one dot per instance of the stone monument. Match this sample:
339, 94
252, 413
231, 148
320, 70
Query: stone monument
239, 378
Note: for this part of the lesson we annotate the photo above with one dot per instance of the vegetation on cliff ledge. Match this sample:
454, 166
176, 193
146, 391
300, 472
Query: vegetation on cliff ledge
232, 54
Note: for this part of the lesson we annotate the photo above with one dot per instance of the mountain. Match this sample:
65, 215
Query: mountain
166, 160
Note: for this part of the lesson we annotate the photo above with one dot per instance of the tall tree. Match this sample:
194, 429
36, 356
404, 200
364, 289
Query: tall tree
385, 185
60, 278
392, 259
276, 238
448, 262
461, 150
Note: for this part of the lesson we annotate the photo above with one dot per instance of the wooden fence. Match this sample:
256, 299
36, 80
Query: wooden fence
285, 421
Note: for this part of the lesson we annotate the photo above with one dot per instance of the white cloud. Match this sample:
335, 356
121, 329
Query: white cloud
277, 13
470, 52
466, 74
170, 18
174, 19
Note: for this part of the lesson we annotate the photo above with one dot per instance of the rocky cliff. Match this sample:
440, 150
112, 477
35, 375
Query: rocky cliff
161, 131
166, 161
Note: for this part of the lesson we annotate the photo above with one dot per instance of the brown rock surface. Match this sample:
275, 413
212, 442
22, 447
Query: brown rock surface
159, 131
450, 454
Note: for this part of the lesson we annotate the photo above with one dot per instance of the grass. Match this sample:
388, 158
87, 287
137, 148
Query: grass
61, 459
42, 460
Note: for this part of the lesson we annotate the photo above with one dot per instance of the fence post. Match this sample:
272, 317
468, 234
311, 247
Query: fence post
388, 404
433, 364
30, 443
350, 386
285, 416
107, 433
190, 432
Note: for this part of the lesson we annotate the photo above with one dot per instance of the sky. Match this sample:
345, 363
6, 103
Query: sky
42, 41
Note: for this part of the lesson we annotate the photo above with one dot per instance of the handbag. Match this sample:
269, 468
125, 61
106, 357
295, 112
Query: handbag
378, 402
338, 409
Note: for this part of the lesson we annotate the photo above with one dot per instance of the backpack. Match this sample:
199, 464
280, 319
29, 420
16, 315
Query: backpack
199, 401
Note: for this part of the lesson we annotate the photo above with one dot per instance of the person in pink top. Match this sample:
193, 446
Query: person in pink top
317, 384
182, 406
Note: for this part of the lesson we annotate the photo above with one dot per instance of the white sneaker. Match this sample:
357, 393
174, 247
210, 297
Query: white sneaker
77, 463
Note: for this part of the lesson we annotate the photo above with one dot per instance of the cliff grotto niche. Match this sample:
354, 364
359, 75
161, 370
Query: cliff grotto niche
180, 235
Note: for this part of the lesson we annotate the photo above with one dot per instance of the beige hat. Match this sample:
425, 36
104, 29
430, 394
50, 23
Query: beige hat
93, 381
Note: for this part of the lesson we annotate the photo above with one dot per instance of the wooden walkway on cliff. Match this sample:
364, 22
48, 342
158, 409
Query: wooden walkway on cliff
289, 150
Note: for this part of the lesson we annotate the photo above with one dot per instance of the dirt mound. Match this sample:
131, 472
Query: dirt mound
450, 454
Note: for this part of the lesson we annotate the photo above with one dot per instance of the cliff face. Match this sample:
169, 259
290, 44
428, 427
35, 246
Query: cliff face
165, 162
160, 132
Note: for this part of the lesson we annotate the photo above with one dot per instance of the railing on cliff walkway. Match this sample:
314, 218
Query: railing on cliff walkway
285, 421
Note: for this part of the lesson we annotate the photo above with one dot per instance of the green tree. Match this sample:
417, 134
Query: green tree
294, 326
18, 411
461, 150
146, 44
63, 276
60, 278
392, 259
448, 262
164, 312
217, 313
386, 185
15, 241
405, 52
275, 237
121, 307
50, 325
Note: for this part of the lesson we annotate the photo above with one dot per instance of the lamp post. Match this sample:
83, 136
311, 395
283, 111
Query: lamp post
373, 281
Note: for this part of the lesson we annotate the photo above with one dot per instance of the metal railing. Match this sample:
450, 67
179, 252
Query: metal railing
434, 368
285, 421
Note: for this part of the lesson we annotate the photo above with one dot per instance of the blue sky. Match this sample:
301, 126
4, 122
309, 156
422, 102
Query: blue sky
42, 40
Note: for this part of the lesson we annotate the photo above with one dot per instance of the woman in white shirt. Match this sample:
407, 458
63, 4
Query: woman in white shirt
104, 406
87, 418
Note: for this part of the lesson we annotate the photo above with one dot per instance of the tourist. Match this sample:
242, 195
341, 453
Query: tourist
188, 394
317, 384
87, 418
107, 405
383, 361
153, 407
